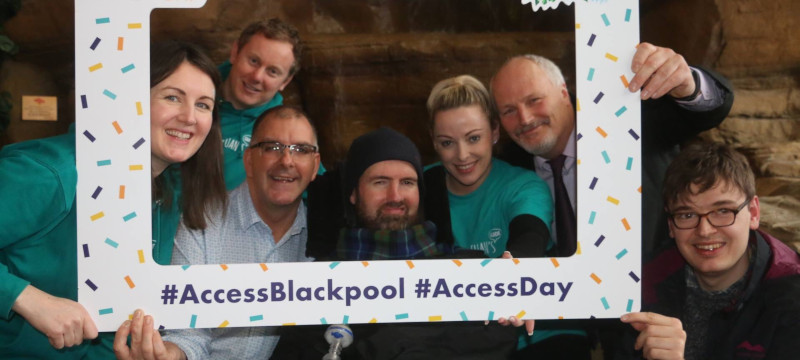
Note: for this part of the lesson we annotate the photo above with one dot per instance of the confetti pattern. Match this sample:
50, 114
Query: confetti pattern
614, 155
115, 267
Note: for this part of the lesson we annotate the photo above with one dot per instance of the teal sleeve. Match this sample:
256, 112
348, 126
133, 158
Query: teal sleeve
34, 201
531, 196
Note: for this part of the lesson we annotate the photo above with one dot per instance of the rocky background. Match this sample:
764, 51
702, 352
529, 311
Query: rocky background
370, 63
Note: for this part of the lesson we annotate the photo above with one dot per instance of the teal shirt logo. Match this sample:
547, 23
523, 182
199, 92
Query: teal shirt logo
495, 234
245, 142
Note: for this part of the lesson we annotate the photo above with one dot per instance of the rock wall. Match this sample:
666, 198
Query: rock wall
761, 56
372, 63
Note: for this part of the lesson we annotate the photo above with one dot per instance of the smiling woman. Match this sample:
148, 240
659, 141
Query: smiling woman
186, 149
486, 204
181, 115
186, 160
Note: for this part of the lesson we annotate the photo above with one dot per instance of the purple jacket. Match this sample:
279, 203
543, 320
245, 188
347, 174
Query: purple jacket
762, 323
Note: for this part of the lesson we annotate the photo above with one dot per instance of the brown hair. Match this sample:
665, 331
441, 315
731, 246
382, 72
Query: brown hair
275, 29
455, 92
202, 182
706, 165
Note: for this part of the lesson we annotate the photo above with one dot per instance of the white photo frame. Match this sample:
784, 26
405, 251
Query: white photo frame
116, 272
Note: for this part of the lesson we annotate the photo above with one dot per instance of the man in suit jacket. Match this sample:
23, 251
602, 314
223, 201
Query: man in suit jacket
538, 113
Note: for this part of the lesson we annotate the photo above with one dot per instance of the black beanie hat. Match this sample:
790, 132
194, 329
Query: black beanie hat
376, 146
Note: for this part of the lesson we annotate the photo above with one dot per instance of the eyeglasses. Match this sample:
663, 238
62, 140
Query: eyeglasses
717, 218
275, 148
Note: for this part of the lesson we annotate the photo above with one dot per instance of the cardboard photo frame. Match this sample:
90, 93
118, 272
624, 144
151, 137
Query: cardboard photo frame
116, 272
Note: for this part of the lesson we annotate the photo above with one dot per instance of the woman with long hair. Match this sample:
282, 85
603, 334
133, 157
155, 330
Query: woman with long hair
38, 241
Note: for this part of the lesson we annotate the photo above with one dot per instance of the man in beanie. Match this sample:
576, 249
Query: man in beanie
382, 185
371, 211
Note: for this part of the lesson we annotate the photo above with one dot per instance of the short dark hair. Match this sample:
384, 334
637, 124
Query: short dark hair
706, 165
286, 112
275, 29
202, 182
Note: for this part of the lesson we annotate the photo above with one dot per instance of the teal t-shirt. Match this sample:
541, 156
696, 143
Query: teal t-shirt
237, 128
166, 218
480, 219
38, 242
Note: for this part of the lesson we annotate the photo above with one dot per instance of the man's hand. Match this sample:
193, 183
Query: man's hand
512, 320
65, 322
660, 337
660, 71
146, 342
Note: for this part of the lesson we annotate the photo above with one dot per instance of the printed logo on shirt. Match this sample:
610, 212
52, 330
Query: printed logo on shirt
230, 144
495, 234
245, 142
750, 351
488, 247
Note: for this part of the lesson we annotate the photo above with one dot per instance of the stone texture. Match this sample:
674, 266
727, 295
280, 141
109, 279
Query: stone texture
779, 218
774, 159
761, 56
760, 36
693, 26
742, 130
355, 84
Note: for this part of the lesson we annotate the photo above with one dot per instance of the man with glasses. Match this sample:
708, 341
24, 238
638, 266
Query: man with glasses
262, 62
265, 222
727, 290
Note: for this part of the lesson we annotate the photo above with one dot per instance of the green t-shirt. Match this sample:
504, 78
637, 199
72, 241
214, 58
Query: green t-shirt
237, 128
38, 242
480, 219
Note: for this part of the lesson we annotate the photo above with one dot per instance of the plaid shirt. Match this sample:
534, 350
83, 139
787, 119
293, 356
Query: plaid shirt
418, 241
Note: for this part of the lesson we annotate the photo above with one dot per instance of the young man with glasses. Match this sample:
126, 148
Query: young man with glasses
265, 222
727, 290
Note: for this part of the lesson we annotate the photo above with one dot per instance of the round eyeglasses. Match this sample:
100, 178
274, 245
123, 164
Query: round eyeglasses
717, 218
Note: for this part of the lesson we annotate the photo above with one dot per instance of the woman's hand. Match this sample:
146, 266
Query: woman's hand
65, 322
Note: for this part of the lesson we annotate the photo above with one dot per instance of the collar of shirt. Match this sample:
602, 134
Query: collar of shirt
570, 151
248, 217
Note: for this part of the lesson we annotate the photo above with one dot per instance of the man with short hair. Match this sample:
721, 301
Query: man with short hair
378, 199
265, 222
538, 113
262, 62
725, 290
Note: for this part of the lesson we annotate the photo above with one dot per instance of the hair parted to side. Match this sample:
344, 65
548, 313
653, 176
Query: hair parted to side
285, 112
455, 92
704, 166
275, 29
202, 182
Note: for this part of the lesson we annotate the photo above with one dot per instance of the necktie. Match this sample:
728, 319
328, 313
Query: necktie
565, 217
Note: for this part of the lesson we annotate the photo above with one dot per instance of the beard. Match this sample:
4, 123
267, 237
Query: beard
544, 146
381, 221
